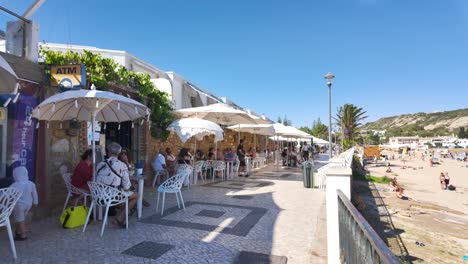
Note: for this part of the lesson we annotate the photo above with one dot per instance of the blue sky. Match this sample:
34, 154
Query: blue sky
389, 56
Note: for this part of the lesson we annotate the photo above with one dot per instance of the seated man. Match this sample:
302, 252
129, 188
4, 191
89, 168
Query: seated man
114, 173
159, 164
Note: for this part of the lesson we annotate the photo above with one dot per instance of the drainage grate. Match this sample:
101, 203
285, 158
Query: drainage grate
246, 257
211, 213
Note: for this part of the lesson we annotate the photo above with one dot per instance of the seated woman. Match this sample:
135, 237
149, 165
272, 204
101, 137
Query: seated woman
252, 153
123, 157
199, 155
184, 156
388, 170
170, 161
83, 172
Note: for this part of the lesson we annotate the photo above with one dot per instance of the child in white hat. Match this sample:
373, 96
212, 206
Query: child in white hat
28, 198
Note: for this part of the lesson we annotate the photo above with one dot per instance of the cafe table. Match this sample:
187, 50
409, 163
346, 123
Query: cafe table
141, 183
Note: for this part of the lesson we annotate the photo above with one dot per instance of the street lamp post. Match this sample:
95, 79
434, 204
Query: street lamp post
329, 77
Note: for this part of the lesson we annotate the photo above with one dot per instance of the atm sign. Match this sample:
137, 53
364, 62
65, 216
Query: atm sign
68, 76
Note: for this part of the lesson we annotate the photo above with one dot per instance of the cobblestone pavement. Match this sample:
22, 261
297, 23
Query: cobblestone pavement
266, 218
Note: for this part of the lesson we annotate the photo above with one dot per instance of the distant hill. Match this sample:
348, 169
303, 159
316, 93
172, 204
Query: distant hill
422, 124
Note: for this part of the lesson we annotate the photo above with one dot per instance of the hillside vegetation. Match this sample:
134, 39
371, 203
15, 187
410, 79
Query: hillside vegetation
422, 124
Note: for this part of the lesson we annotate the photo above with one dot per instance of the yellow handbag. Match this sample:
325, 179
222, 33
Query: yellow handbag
74, 216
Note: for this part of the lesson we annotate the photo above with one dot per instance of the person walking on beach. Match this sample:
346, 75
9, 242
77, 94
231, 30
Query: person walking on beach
442, 181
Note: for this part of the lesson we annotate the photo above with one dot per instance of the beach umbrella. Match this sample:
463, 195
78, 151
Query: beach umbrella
90, 105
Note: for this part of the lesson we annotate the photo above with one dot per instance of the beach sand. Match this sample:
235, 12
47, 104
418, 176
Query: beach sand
436, 217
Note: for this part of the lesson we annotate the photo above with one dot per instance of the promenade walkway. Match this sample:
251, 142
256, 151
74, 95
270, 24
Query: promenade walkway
269, 216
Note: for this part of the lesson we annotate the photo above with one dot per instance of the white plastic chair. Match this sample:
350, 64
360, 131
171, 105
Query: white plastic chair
104, 195
220, 166
73, 190
207, 166
159, 173
198, 170
171, 185
8, 199
186, 170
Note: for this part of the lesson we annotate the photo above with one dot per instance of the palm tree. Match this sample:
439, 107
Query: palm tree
349, 118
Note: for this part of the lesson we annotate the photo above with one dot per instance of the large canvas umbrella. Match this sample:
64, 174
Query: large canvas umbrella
90, 105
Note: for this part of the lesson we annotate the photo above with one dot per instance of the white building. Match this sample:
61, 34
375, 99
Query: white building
183, 92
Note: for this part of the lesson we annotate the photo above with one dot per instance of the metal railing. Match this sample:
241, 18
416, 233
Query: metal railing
359, 243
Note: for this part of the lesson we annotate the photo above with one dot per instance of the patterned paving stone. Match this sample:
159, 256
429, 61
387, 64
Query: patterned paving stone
240, 185
242, 228
211, 213
246, 257
148, 249
242, 197
237, 184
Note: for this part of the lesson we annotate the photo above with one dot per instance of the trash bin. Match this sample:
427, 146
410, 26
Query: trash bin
308, 174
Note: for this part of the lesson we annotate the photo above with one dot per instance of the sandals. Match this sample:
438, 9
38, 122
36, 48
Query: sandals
18, 237
120, 223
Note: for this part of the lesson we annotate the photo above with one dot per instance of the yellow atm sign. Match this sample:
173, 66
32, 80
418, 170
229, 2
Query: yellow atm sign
68, 77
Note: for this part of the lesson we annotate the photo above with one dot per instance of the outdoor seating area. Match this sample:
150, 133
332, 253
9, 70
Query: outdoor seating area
225, 217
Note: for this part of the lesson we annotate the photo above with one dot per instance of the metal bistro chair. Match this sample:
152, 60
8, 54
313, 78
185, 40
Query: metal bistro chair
106, 196
8, 199
73, 190
172, 185
186, 170
220, 166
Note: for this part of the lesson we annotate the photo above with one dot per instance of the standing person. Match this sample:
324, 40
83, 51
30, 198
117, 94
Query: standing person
26, 201
83, 172
114, 173
305, 151
446, 180
442, 181
241, 155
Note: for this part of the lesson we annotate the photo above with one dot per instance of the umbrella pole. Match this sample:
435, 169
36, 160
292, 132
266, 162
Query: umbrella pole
238, 134
216, 150
93, 145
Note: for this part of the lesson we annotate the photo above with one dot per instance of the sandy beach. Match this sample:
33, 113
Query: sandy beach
431, 215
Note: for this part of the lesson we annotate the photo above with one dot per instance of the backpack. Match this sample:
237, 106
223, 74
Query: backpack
451, 187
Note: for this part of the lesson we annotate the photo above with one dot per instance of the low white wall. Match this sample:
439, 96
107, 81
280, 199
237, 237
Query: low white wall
338, 178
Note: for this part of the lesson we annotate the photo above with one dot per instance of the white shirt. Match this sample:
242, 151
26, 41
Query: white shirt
159, 162
305, 148
106, 176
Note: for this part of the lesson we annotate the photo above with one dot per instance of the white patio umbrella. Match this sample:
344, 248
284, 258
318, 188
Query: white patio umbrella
219, 113
186, 128
9, 82
8, 77
90, 105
